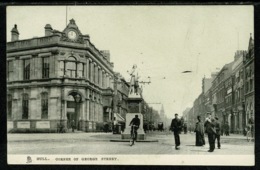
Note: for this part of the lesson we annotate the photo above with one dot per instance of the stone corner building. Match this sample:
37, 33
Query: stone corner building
58, 78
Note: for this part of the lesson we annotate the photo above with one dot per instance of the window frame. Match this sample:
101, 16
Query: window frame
26, 69
44, 105
25, 106
45, 67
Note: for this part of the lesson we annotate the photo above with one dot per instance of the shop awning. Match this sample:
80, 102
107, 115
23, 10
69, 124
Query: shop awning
118, 117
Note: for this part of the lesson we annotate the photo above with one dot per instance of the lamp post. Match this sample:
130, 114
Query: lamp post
77, 99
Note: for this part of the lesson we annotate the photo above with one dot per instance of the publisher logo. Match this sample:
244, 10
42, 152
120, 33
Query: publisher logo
29, 159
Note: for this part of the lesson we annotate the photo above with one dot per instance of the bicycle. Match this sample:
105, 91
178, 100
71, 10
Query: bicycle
249, 134
133, 134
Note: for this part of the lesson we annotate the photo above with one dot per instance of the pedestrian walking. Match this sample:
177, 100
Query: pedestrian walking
226, 129
176, 128
218, 132
73, 125
211, 131
199, 130
185, 128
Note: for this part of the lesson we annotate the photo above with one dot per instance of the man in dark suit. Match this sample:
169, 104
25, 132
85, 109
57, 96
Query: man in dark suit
210, 130
176, 127
135, 123
218, 131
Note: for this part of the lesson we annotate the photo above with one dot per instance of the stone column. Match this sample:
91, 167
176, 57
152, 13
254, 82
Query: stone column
100, 77
107, 79
96, 75
83, 105
39, 67
91, 71
87, 109
51, 67
33, 107
15, 70
21, 69
110, 82
87, 69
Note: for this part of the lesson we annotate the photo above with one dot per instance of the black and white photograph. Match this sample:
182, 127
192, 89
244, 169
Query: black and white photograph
130, 85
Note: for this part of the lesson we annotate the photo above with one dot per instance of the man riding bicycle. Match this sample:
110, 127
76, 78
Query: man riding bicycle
135, 123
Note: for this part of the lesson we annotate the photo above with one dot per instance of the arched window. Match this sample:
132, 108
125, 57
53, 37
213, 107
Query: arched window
9, 106
25, 104
71, 67
44, 103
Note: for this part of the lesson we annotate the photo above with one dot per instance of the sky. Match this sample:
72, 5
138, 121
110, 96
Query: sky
163, 41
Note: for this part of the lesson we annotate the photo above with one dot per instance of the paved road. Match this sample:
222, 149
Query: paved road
99, 143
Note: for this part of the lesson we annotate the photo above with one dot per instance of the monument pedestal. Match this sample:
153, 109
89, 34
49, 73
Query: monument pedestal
127, 131
134, 108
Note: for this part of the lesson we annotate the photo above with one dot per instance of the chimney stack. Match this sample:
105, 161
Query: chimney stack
48, 30
14, 34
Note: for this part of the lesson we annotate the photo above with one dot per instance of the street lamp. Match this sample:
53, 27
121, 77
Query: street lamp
77, 99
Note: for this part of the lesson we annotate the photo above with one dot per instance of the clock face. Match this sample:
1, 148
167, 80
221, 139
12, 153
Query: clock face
72, 35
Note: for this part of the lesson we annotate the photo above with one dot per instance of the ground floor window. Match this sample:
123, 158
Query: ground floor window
25, 104
44, 103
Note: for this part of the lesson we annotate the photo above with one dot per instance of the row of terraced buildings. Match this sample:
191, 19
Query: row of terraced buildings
228, 94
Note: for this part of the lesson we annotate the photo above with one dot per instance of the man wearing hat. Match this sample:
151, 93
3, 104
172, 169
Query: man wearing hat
176, 127
211, 131
217, 125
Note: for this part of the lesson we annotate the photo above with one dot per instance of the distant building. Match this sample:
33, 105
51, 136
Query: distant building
219, 91
249, 83
57, 79
120, 107
238, 111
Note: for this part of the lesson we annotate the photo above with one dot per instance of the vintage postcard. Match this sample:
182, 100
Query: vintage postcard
130, 85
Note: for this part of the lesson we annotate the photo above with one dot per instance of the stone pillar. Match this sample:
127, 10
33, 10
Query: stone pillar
83, 105
92, 72
33, 108
32, 68
103, 80
51, 67
65, 68
21, 69
96, 75
87, 69
107, 79
87, 110
19, 110
16, 105
56, 66
100, 77
39, 68
15, 70
64, 113
92, 110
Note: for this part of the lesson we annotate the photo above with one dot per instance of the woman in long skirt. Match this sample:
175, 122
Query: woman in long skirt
199, 129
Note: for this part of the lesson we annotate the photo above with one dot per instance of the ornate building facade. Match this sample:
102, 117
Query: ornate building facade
58, 80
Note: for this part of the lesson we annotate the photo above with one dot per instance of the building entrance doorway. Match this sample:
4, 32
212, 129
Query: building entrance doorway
73, 110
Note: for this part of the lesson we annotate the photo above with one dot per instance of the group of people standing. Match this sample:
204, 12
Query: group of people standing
211, 126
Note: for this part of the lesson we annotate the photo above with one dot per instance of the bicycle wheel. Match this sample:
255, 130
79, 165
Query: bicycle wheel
249, 136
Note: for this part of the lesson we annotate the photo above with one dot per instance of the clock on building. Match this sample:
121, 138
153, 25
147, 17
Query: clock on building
72, 35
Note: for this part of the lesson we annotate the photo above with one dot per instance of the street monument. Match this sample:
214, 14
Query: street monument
134, 106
